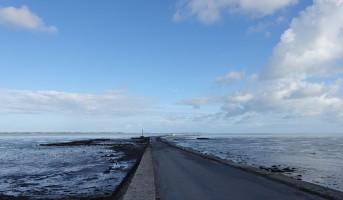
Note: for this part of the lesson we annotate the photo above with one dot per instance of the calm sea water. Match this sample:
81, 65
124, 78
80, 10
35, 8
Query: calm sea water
28, 169
25, 166
318, 159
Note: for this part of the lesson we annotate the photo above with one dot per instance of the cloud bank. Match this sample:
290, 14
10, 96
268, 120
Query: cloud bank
112, 104
302, 78
211, 11
23, 18
289, 97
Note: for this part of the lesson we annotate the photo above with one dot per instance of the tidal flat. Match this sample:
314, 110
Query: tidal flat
59, 168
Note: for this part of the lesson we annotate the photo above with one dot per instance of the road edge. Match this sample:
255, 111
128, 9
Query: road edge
142, 185
301, 185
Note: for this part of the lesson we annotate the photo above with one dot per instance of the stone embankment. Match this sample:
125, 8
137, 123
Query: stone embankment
142, 186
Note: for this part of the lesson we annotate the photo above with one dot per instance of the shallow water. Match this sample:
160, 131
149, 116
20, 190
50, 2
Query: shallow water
28, 169
318, 160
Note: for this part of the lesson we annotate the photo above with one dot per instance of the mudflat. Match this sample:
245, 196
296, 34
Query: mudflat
78, 169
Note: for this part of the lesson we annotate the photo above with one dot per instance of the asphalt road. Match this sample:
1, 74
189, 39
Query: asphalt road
181, 175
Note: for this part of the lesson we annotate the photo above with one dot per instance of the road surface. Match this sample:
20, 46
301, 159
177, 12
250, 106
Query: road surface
181, 175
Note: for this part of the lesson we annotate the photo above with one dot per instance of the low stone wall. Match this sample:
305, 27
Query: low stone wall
123, 186
142, 186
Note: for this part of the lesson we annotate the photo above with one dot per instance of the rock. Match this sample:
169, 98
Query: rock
278, 169
287, 169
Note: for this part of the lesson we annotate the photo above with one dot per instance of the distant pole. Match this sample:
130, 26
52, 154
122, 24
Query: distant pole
142, 132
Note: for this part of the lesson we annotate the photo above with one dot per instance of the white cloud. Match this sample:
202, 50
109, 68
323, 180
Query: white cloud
211, 11
264, 27
229, 77
269, 102
310, 47
198, 101
285, 98
301, 84
116, 103
23, 18
289, 97
242, 98
312, 44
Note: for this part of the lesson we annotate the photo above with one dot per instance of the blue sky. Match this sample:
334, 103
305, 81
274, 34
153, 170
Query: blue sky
221, 66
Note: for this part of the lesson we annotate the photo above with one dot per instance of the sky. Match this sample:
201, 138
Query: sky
172, 66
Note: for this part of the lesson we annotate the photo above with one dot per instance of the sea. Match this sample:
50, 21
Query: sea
28, 169
317, 159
